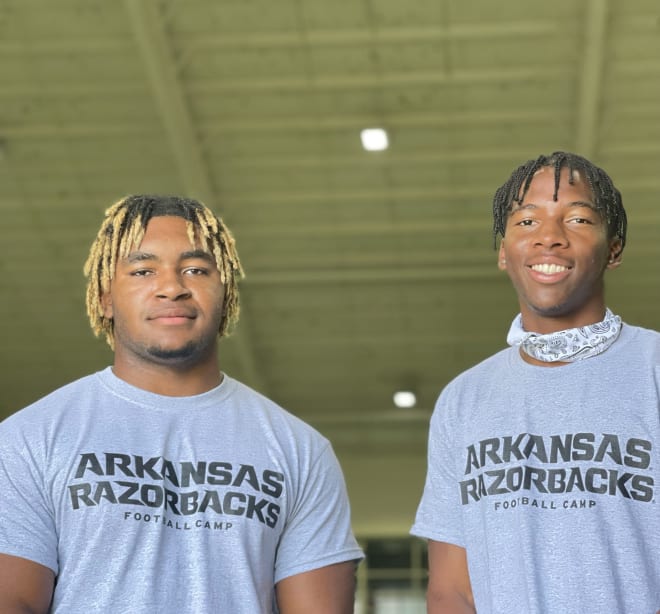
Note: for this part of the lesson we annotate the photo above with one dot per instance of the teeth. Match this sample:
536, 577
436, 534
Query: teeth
549, 269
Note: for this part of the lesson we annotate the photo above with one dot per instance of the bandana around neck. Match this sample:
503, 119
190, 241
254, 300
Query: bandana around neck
568, 345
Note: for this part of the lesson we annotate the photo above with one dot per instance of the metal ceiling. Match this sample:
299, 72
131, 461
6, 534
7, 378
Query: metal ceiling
366, 272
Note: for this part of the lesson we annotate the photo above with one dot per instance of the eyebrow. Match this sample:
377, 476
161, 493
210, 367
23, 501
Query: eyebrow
193, 254
197, 253
575, 203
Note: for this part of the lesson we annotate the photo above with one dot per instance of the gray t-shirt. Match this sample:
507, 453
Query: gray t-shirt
548, 477
144, 503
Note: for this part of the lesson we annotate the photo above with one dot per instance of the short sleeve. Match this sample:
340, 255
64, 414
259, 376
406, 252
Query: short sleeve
318, 529
27, 527
439, 514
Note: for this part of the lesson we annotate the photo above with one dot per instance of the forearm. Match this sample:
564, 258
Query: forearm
328, 590
25, 587
8, 606
449, 590
449, 604
12, 605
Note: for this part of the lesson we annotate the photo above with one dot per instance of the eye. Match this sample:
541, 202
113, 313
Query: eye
580, 220
194, 271
525, 222
140, 272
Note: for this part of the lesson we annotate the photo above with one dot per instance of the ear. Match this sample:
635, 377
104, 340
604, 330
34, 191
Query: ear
106, 305
616, 254
501, 258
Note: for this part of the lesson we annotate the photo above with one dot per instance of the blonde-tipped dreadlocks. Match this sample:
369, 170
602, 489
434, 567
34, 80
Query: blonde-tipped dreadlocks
123, 229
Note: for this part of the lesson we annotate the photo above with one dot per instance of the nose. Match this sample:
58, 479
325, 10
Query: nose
171, 286
551, 233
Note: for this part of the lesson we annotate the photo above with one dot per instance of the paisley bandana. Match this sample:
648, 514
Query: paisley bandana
567, 345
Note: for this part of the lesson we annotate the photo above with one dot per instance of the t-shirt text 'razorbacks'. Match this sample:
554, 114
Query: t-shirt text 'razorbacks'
603, 464
157, 482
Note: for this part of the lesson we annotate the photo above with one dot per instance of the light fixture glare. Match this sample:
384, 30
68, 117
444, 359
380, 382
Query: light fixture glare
374, 139
404, 398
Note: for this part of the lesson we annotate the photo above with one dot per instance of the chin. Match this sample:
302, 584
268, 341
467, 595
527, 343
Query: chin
551, 306
175, 354
555, 311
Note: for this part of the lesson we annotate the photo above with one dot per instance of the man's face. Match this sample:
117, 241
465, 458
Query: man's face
166, 299
556, 253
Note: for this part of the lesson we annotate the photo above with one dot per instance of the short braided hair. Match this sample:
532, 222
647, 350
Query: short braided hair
607, 198
123, 228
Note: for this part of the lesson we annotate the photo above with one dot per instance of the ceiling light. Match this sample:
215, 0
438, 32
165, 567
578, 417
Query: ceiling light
404, 398
374, 139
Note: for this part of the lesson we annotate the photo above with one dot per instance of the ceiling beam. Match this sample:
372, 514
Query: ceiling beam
160, 64
353, 275
332, 122
370, 80
298, 122
591, 77
385, 418
351, 196
385, 35
326, 37
384, 227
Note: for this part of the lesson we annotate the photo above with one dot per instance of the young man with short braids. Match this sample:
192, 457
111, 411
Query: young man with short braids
543, 463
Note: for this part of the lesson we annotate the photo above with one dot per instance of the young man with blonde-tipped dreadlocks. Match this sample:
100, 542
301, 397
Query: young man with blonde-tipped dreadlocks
543, 460
161, 484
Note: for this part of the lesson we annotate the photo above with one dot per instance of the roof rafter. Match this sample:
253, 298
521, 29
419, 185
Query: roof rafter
160, 64
590, 87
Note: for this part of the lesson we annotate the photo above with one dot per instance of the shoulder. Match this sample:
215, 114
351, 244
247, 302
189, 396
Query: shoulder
49, 407
642, 335
638, 341
470, 392
489, 368
270, 414
651, 338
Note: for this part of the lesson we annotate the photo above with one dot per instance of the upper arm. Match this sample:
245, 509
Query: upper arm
25, 586
327, 590
449, 588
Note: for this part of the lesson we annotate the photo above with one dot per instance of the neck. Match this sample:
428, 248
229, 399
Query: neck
542, 324
559, 347
539, 363
169, 380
